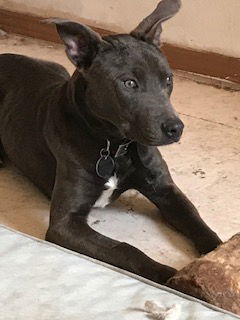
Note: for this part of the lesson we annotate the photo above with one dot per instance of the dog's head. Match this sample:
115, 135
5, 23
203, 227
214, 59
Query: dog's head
129, 81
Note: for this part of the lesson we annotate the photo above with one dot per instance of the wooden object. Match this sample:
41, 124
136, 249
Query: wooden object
214, 278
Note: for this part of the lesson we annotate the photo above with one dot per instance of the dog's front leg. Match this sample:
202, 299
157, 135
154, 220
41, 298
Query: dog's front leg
153, 180
178, 211
73, 197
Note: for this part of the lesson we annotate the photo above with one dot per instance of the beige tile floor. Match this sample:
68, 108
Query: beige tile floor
205, 165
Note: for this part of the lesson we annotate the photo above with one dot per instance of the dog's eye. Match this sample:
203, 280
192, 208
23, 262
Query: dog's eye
169, 80
130, 84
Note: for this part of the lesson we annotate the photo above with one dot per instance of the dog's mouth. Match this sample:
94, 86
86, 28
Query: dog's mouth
145, 135
155, 142
153, 133
149, 139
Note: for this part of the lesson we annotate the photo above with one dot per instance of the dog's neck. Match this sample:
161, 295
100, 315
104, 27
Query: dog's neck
98, 128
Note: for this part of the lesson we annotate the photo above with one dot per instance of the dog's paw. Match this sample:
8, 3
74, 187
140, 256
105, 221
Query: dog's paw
208, 244
164, 275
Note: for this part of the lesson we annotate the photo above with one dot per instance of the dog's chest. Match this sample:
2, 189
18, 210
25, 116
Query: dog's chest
105, 197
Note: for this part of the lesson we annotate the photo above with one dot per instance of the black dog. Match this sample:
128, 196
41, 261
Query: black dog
84, 140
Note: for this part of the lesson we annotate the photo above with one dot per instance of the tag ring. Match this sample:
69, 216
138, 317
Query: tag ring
104, 153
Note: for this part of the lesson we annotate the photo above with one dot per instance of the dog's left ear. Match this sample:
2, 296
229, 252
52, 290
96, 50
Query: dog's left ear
81, 42
150, 28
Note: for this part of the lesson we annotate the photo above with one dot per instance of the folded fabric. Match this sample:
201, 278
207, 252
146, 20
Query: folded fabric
41, 281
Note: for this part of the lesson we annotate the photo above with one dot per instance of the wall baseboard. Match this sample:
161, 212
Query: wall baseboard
199, 62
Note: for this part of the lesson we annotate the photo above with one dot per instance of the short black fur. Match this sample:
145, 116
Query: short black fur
53, 126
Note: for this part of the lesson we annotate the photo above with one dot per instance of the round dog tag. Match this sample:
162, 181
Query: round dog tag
105, 167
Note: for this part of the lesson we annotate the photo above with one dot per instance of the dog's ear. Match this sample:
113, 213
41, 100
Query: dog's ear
81, 42
150, 28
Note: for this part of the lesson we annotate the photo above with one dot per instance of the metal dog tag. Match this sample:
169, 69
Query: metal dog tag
105, 167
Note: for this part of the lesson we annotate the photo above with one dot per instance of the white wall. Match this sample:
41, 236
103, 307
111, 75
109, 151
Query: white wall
212, 25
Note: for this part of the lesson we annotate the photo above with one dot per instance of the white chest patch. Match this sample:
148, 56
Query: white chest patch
104, 198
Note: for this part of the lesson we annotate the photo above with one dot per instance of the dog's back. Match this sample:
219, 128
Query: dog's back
24, 82
17, 71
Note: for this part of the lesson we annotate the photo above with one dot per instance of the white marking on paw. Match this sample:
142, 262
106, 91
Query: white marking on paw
104, 198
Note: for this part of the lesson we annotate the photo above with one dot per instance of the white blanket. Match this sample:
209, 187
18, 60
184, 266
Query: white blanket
41, 281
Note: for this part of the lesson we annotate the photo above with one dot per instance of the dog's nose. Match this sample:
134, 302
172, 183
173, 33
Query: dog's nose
173, 129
